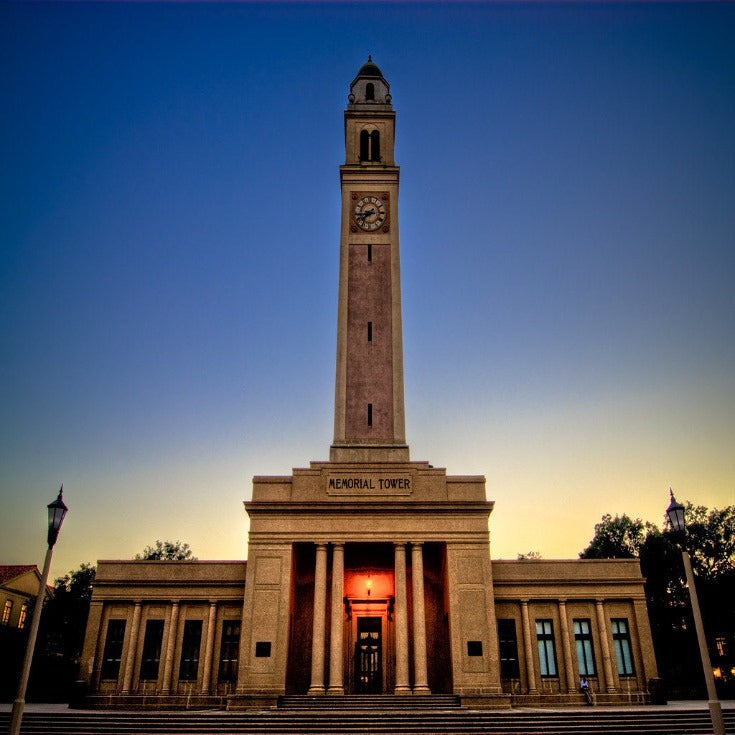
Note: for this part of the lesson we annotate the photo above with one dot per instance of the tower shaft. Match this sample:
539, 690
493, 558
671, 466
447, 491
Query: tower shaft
369, 420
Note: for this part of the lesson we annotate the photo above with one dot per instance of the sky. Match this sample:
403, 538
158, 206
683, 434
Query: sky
169, 216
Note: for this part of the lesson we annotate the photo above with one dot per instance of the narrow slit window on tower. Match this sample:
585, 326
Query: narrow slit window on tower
369, 91
370, 414
370, 331
370, 253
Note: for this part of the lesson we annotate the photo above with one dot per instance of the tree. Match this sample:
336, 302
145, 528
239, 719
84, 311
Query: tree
617, 538
529, 555
710, 540
167, 551
62, 629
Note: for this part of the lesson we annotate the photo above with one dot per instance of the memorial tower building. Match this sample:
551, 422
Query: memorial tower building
368, 573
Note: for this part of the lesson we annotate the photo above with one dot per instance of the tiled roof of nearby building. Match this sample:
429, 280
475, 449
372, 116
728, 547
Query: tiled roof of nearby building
11, 571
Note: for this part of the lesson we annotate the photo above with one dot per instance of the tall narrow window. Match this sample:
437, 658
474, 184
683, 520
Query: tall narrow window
112, 655
585, 651
621, 640
189, 667
508, 648
151, 649
370, 332
370, 253
370, 414
228, 650
546, 648
375, 145
364, 145
23, 617
7, 609
369, 91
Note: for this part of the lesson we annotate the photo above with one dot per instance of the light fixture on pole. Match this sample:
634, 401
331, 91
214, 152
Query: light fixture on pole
56, 512
675, 512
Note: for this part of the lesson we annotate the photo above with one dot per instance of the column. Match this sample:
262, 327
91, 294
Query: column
168, 666
605, 644
320, 619
421, 679
336, 677
132, 649
209, 648
567, 648
401, 613
528, 646
643, 635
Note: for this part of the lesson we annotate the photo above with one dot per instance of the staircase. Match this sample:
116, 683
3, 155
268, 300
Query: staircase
369, 702
322, 716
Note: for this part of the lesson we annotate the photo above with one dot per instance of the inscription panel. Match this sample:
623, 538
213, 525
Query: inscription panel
362, 483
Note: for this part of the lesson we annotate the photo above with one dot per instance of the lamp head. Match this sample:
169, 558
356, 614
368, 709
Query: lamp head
675, 512
56, 512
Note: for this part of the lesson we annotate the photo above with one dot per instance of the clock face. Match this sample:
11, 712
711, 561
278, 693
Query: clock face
369, 213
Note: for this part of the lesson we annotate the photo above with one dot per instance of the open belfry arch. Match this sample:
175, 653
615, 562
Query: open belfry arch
367, 574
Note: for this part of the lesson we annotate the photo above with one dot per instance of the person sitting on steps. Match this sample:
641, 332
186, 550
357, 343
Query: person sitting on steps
584, 687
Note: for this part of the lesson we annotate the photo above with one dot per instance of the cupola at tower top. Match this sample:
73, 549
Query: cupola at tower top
369, 87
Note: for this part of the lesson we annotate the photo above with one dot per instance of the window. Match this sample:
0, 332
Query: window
112, 655
375, 145
189, 667
508, 648
621, 640
6, 612
364, 145
585, 651
370, 414
369, 91
370, 331
546, 648
151, 649
370, 253
721, 645
23, 615
370, 145
228, 650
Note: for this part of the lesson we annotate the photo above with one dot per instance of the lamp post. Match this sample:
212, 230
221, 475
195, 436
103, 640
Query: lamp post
56, 512
675, 512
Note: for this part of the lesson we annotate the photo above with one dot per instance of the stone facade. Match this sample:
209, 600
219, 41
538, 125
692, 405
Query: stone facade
368, 573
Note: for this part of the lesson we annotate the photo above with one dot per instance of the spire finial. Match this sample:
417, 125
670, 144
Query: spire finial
370, 58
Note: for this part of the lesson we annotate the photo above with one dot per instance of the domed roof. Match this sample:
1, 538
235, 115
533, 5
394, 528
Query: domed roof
370, 69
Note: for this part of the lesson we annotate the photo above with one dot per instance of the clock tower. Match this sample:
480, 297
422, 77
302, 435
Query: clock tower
369, 423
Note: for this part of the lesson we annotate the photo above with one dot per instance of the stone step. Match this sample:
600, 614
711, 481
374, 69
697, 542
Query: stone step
356, 702
455, 722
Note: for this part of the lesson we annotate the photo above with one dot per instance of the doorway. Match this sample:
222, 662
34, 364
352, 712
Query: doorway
369, 656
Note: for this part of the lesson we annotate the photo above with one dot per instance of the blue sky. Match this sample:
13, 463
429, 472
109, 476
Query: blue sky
169, 213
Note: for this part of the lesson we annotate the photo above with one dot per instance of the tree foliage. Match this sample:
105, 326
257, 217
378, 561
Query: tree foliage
710, 540
167, 551
620, 537
529, 555
61, 634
